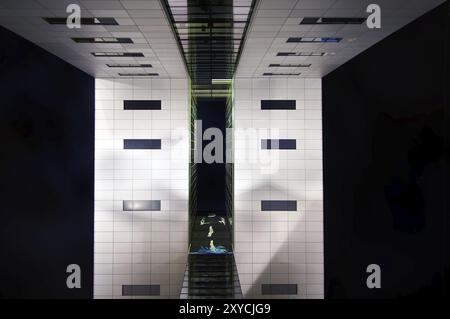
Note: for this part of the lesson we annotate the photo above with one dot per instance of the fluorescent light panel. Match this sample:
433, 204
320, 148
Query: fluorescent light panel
279, 74
332, 20
129, 65
117, 54
221, 81
313, 40
304, 53
102, 40
84, 21
299, 65
138, 74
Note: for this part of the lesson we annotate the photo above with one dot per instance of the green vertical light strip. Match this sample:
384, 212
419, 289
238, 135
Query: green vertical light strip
210, 35
229, 166
192, 165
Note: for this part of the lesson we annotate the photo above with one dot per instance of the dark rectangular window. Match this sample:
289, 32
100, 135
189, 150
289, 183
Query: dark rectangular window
313, 39
102, 40
279, 289
279, 205
139, 144
84, 21
278, 104
118, 54
141, 205
281, 144
315, 20
142, 104
141, 290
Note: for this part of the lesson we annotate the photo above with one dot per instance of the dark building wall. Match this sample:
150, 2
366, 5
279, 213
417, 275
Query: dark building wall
385, 181
211, 176
47, 172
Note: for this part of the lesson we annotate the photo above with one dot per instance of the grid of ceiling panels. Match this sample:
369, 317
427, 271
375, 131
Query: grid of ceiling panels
143, 21
210, 34
275, 21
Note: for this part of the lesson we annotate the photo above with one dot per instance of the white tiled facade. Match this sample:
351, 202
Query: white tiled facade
279, 247
141, 248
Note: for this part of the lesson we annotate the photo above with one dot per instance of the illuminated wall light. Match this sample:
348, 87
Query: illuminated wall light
221, 81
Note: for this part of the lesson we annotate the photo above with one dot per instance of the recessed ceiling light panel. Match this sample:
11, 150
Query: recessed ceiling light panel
102, 40
298, 65
304, 53
138, 74
313, 40
332, 20
280, 74
129, 65
117, 54
84, 21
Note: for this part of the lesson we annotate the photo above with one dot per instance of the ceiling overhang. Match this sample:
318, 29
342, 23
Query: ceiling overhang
289, 37
152, 52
